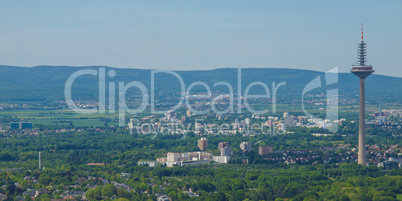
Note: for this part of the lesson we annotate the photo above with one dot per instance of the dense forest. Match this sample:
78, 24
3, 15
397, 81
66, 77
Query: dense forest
65, 157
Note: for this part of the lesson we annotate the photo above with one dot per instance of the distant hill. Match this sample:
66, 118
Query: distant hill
47, 82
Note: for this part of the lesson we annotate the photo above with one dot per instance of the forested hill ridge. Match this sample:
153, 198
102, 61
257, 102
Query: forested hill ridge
48, 82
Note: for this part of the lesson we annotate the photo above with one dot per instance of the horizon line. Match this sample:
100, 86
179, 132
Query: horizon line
288, 68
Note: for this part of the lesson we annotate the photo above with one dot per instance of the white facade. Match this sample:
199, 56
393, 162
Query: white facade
288, 120
187, 158
172, 163
381, 120
184, 157
172, 157
247, 121
245, 146
227, 151
221, 159
149, 163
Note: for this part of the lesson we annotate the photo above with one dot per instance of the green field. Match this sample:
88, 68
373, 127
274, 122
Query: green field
59, 117
68, 117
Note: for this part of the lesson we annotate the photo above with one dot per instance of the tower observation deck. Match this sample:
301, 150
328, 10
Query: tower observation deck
361, 69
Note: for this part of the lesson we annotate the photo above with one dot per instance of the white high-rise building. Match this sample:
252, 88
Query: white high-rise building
288, 120
172, 157
226, 151
247, 121
245, 146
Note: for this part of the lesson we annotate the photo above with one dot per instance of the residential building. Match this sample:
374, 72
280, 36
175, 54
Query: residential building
149, 163
264, 150
226, 151
223, 145
221, 159
164, 198
245, 146
172, 157
288, 120
203, 144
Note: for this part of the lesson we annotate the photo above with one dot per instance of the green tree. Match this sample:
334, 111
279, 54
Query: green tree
109, 190
93, 194
27, 198
344, 198
123, 199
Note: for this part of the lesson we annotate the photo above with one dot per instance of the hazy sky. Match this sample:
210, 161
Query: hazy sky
183, 35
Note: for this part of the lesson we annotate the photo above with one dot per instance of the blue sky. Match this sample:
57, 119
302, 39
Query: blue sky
187, 35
